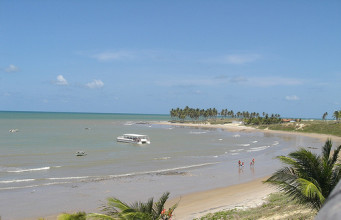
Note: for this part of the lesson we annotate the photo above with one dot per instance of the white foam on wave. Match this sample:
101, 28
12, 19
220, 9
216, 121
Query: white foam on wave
275, 143
253, 149
69, 178
254, 142
101, 177
18, 187
243, 145
234, 153
28, 170
163, 170
237, 150
128, 123
17, 181
162, 158
236, 135
198, 132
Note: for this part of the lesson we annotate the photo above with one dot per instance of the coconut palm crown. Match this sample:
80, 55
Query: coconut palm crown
116, 209
309, 178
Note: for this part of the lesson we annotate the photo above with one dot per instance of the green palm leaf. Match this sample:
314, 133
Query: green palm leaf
309, 178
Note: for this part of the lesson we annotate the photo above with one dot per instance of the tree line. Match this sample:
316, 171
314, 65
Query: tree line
336, 115
196, 114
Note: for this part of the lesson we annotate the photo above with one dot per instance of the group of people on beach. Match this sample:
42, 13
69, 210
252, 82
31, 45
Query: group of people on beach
252, 163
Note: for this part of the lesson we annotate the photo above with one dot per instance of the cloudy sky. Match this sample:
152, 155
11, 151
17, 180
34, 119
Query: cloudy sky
150, 56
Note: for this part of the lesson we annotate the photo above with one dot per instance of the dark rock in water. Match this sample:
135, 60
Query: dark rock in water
172, 173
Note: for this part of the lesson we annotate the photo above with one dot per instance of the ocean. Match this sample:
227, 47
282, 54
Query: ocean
38, 159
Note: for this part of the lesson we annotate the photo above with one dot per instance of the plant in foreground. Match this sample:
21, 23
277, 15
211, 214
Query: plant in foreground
309, 178
76, 216
150, 210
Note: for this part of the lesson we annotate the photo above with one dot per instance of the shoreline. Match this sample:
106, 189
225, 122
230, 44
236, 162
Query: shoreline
242, 128
239, 196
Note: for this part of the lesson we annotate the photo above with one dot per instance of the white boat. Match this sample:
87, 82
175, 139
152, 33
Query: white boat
134, 138
80, 153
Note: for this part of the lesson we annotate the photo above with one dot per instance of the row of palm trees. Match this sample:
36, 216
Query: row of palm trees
196, 114
336, 115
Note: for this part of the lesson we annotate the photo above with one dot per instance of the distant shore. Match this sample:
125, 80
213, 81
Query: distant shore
236, 127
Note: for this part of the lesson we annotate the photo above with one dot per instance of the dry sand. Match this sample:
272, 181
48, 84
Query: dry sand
236, 127
241, 196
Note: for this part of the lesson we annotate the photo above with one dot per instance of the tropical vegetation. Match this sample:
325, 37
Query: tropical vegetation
196, 114
150, 210
337, 116
75, 216
309, 178
276, 206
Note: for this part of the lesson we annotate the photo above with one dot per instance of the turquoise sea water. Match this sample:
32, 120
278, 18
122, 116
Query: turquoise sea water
40, 157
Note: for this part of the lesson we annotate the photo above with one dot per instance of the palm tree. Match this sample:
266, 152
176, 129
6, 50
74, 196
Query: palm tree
337, 115
324, 116
309, 178
116, 209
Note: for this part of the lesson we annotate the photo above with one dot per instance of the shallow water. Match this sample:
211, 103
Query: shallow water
39, 160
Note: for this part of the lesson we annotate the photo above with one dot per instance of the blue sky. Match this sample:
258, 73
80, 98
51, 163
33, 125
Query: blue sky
150, 56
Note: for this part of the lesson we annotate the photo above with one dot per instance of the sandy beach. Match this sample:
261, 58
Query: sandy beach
240, 196
236, 127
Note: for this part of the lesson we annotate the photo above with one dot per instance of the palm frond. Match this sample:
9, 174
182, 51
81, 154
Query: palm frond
100, 216
335, 155
309, 178
326, 150
159, 205
309, 189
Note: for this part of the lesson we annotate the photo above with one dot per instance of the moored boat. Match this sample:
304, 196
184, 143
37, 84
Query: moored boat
134, 138
80, 153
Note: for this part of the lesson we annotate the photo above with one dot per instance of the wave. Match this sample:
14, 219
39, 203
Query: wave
237, 150
254, 142
17, 181
29, 170
98, 178
236, 135
275, 143
162, 158
243, 145
198, 132
258, 148
69, 178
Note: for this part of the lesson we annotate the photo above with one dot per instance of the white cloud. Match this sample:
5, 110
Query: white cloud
292, 98
111, 56
11, 69
95, 84
61, 80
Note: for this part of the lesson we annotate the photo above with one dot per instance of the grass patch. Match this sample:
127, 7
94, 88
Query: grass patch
278, 206
318, 126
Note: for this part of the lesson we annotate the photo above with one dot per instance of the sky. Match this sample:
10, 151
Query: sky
151, 56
